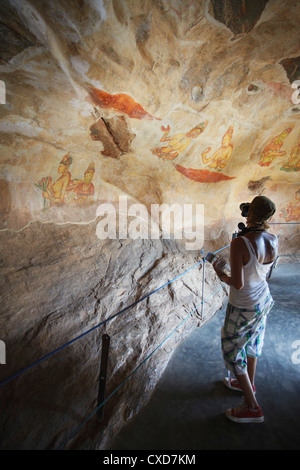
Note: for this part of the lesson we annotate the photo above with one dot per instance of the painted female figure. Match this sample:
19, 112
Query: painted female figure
55, 192
293, 163
177, 143
220, 158
272, 150
83, 190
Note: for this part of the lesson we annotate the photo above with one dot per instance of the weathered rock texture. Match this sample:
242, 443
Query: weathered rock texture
158, 101
51, 296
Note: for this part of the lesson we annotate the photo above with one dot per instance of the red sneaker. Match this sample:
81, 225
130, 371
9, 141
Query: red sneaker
243, 414
234, 385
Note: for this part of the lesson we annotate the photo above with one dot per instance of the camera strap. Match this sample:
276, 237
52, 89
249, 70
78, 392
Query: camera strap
250, 229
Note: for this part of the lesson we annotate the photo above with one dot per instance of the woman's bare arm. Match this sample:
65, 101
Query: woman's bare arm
237, 253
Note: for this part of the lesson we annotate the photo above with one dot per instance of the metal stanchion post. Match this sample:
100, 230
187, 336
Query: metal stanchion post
103, 374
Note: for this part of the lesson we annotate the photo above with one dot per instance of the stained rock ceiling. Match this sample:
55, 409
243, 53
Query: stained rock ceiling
164, 101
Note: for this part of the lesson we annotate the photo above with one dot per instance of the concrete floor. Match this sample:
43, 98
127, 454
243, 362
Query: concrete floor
186, 411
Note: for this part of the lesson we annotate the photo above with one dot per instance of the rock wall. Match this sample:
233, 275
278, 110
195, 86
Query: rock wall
51, 296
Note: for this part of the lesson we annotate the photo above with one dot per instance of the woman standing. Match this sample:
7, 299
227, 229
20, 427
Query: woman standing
252, 254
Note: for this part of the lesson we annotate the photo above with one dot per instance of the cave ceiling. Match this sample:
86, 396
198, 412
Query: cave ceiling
162, 101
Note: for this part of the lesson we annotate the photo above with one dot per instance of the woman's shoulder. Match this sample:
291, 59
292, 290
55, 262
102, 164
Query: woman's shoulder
271, 237
238, 243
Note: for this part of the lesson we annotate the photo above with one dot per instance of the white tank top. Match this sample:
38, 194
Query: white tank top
256, 288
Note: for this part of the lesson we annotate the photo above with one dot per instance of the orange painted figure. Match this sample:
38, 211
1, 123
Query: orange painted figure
119, 102
83, 190
55, 192
272, 150
177, 143
203, 175
220, 158
293, 163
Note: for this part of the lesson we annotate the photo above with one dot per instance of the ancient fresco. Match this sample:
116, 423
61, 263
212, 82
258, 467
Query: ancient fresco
291, 211
64, 189
81, 191
221, 157
203, 175
274, 149
120, 102
186, 103
217, 161
177, 143
55, 192
293, 162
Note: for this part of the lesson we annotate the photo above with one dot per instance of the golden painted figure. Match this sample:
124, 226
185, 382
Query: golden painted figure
272, 150
55, 192
177, 143
293, 163
220, 158
83, 190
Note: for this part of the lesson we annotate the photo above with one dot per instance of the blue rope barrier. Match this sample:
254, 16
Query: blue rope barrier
74, 432
17, 374
215, 252
91, 329
288, 255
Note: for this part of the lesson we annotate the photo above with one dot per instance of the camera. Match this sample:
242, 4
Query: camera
244, 207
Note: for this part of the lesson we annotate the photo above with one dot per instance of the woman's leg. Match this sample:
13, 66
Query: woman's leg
251, 367
247, 389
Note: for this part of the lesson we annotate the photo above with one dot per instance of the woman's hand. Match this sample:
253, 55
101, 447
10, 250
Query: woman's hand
219, 265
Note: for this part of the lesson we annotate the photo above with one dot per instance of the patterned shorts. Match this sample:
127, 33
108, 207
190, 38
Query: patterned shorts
243, 334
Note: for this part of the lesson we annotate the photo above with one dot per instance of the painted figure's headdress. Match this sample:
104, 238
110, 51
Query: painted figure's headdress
67, 160
90, 168
229, 132
201, 126
283, 134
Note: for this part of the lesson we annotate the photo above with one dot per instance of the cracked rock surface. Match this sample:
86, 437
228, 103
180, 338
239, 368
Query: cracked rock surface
51, 297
